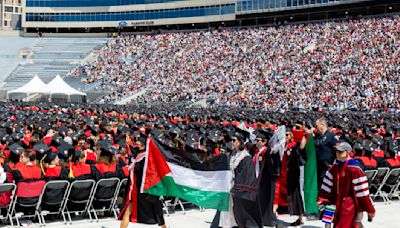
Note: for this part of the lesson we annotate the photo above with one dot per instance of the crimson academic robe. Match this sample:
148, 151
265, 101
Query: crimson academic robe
346, 186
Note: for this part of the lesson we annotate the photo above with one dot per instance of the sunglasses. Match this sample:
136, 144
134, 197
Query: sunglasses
234, 140
260, 140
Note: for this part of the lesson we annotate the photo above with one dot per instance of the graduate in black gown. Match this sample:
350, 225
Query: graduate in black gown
244, 210
269, 173
140, 207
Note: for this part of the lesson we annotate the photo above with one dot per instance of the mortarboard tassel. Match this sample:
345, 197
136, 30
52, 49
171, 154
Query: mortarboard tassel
41, 165
71, 173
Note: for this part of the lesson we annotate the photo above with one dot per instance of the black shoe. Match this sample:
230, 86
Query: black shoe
298, 222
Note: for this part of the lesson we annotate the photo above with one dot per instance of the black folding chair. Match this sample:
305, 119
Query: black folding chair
389, 181
378, 183
104, 195
392, 183
54, 197
7, 191
79, 196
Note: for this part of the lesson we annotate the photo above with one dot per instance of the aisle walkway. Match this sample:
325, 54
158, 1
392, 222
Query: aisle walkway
387, 217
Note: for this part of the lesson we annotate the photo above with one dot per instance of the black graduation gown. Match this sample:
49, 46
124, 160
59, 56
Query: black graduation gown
146, 208
295, 201
244, 195
269, 172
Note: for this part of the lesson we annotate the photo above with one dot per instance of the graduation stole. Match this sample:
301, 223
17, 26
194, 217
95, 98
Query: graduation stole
131, 169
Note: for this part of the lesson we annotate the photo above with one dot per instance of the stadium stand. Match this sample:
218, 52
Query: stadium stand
51, 57
344, 64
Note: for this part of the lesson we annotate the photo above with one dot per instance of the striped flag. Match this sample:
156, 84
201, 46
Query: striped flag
329, 214
172, 172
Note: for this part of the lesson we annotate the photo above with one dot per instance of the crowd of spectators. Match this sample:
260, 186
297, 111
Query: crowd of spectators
349, 64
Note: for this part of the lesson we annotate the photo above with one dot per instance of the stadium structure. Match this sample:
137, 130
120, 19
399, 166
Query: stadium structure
144, 15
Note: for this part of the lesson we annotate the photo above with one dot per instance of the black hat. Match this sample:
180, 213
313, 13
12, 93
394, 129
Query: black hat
215, 136
50, 157
41, 148
142, 139
107, 149
16, 148
368, 146
241, 134
64, 150
264, 134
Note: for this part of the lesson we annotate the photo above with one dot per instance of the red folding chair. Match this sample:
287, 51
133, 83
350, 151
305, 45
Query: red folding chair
28, 195
7, 192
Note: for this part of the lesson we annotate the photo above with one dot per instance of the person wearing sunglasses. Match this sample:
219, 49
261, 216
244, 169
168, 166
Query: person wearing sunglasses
346, 187
244, 210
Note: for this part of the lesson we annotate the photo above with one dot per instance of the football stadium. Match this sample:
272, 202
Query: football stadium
200, 113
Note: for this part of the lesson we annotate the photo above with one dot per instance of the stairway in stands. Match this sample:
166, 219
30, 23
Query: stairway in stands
51, 57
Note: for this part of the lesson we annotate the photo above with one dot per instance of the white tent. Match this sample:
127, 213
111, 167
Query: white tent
35, 85
59, 86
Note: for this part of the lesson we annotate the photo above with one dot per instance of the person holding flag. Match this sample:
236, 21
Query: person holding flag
140, 207
243, 208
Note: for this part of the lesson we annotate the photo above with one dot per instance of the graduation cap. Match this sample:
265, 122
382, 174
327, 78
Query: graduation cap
368, 146
142, 139
241, 134
377, 140
215, 136
56, 139
263, 134
49, 157
107, 149
16, 136
41, 148
16, 148
64, 150
63, 131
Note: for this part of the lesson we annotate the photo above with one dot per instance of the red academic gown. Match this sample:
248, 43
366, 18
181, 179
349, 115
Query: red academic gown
346, 186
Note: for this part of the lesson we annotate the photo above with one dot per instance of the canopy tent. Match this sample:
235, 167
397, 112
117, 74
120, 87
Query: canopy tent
55, 86
59, 86
35, 85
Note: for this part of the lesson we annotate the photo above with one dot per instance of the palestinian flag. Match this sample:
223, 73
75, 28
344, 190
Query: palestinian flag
173, 172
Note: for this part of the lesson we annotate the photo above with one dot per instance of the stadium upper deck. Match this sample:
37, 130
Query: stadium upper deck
114, 15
